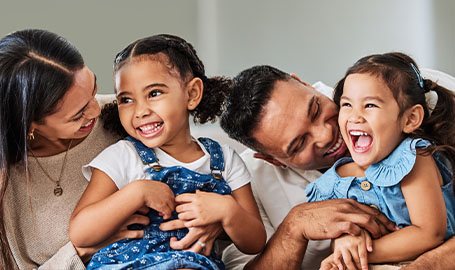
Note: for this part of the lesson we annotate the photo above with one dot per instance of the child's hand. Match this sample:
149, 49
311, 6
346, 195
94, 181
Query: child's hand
329, 264
203, 208
157, 196
206, 234
352, 251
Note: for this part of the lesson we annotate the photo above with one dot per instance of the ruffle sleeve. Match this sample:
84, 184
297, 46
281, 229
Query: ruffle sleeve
323, 188
391, 170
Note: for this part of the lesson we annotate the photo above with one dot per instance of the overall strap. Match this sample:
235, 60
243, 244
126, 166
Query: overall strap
147, 154
216, 154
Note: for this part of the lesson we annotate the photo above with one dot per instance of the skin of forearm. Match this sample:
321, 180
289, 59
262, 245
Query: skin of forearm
98, 221
436, 259
246, 231
286, 247
404, 244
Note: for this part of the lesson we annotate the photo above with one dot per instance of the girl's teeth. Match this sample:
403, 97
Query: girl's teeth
358, 133
150, 128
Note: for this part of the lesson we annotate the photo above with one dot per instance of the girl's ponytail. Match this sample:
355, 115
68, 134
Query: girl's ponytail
441, 122
216, 90
439, 126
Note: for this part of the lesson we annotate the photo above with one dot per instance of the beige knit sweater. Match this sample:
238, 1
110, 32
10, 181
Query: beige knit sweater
38, 231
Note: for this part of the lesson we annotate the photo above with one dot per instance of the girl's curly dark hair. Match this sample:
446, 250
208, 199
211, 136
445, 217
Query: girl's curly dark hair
183, 58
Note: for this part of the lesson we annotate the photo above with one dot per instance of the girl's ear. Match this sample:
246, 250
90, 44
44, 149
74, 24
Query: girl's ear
412, 118
195, 89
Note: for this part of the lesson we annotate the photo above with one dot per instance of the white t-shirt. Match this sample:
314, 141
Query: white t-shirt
123, 165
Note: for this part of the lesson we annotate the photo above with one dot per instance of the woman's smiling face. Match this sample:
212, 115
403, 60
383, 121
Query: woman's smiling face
76, 113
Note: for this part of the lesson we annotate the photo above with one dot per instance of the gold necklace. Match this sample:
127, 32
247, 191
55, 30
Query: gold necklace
58, 191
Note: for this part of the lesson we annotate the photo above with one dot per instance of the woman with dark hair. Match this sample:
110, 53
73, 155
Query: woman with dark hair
48, 130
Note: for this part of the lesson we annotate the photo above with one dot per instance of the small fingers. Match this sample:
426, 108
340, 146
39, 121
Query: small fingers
368, 242
355, 259
167, 209
347, 259
193, 223
183, 207
185, 198
337, 256
172, 225
186, 241
363, 257
331, 262
326, 265
187, 216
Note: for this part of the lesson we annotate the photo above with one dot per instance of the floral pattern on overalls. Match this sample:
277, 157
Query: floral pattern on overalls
153, 250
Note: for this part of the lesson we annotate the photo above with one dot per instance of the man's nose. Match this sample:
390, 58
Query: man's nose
323, 134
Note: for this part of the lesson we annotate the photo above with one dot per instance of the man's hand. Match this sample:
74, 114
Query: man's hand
332, 218
317, 221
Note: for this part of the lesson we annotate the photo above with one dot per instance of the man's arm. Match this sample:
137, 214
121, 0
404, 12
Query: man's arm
317, 221
440, 258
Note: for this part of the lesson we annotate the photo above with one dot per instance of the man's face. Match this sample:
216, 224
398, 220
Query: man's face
299, 127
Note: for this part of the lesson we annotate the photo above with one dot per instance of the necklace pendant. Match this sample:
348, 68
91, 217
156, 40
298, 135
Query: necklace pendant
58, 191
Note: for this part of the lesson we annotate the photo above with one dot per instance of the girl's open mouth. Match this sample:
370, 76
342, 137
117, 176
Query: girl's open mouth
361, 141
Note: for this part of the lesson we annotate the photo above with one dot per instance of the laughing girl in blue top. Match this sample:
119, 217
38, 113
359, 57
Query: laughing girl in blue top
402, 160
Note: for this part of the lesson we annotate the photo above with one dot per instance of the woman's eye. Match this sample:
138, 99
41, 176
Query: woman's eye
155, 93
79, 117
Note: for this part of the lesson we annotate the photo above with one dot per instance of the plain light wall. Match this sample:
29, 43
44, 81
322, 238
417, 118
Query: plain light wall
319, 39
316, 39
101, 28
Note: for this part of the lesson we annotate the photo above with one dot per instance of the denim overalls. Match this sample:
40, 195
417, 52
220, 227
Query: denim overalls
153, 250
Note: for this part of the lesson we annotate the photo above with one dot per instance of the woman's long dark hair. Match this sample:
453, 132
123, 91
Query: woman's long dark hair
401, 75
36, 70
183, 58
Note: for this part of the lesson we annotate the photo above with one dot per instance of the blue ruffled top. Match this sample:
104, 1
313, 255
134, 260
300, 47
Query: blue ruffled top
380, 187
